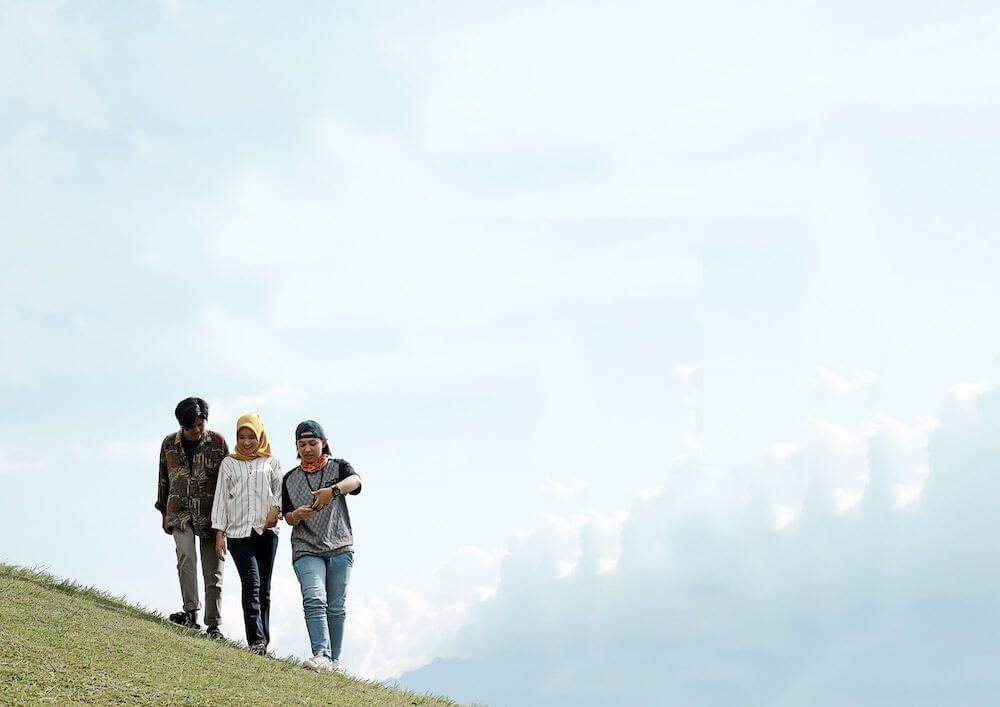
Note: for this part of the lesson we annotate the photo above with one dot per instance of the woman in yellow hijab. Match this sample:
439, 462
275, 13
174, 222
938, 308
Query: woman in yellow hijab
245, 517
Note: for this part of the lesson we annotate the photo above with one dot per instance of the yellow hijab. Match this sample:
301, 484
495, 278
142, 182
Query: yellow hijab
251, 420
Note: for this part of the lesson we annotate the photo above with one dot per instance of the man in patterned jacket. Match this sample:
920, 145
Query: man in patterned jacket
189, 469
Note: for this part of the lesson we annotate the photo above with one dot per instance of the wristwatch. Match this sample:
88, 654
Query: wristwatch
336, 492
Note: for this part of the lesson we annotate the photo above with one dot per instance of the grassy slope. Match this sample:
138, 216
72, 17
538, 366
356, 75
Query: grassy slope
62, 643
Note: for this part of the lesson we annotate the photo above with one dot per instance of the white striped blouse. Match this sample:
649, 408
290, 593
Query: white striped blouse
245, 493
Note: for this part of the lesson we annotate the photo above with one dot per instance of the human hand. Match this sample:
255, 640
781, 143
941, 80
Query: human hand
272, 518
304, 513
323, 498
220, 546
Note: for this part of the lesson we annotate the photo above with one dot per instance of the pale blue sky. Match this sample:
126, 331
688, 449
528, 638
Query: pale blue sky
577, 288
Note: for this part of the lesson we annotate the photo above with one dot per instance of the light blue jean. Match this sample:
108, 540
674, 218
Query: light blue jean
324, 590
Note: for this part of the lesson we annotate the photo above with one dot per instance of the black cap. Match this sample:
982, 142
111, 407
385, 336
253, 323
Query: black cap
307, 429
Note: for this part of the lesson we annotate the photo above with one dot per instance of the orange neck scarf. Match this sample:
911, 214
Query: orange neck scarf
316, 465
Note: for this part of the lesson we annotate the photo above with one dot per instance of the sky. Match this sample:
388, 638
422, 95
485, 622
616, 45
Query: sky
661, 334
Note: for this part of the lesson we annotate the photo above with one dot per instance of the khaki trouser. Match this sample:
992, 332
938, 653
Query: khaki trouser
187, 573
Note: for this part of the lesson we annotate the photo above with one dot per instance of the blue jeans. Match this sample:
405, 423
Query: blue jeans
324, 590
254, 558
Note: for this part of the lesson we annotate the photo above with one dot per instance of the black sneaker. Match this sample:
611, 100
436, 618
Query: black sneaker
259, 648
187, 619
214, 633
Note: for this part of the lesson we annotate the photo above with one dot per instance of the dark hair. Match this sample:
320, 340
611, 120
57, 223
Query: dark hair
189, 410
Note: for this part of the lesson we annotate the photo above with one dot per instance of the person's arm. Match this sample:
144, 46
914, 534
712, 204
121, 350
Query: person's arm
350, 485
325, 496
163, 488
348, 482
299, 514
287, 508
345, 470
276, 501
220, 509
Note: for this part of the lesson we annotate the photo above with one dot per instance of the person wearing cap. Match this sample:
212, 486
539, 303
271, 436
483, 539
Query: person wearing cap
245, 516
189, 469
314, 503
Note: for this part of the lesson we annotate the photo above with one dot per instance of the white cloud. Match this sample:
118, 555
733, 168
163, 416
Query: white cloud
560, 489
564, 568
783, 516
906, 495
784, 450
650, 494
690, 439
967, 393
688, 371
832, 465
844, 501
839, 384
400, 628
902, 448
397, 628
803, 604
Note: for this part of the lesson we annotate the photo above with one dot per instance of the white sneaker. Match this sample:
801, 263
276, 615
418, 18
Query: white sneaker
323, 664
338, 667
311, 663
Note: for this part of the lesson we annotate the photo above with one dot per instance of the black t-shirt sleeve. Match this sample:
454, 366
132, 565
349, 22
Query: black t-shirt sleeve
344, 469
286, 500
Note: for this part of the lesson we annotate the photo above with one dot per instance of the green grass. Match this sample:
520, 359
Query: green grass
61, 643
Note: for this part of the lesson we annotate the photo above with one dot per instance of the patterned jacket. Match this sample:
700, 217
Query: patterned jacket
184, 493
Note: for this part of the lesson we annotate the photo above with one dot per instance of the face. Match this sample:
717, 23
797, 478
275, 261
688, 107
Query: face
195, 431
247, 440
310, 449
